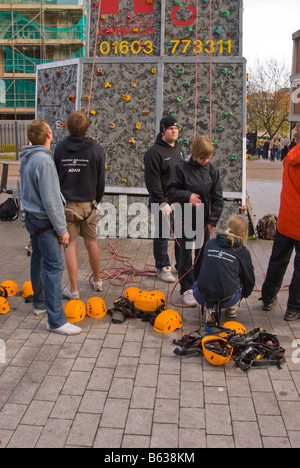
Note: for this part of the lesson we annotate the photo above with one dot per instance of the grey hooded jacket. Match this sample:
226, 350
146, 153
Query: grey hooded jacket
40, 189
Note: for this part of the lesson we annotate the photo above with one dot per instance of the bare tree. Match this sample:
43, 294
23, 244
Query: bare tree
268, 98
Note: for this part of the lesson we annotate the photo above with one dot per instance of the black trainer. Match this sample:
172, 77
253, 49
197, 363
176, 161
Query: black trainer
292, 315
268, 305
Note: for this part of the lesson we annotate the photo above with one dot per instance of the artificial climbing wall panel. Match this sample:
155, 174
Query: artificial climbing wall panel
56, 91
220, 112
122, 117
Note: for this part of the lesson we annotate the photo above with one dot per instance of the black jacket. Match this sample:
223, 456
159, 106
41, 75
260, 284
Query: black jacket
224, 267
160, 161
80, 163
190, 177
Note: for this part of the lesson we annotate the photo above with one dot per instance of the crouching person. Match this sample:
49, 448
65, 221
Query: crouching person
227, 273
46, 224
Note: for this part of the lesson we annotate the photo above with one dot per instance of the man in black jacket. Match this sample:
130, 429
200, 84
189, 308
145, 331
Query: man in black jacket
80, 164
160, 161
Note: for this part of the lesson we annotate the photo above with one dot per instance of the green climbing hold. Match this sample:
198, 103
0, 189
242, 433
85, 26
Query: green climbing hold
225, 14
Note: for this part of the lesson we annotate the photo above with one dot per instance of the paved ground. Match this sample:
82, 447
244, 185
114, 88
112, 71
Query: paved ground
121, 385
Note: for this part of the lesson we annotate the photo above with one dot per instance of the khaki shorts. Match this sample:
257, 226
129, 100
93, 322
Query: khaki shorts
81, 220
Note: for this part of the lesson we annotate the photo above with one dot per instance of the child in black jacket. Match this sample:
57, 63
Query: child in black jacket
227, 273
194, 182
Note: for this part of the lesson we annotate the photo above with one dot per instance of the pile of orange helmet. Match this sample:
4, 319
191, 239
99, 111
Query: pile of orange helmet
167, 321
10, 288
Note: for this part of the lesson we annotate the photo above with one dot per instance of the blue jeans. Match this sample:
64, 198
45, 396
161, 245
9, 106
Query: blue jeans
46, 270
160, 244
210, 305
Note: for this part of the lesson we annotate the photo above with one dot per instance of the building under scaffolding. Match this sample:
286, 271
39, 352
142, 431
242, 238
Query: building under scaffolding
33, 32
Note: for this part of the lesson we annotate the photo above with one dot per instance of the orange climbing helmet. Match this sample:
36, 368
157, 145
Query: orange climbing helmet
11, 287
75, 311
27, 289
96, 307
4, 306
167, 321
131, 293
216, 350
150, 301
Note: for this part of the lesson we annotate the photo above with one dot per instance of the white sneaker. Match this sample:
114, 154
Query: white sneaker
97, 285
188, 298
68, 294
231, 312
38, 312
66, 329
166, 275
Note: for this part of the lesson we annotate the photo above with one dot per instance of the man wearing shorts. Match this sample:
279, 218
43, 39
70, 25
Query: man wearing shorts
80, 164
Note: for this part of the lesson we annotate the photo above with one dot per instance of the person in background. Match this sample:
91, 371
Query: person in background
46, 224
266, 147
80, 163
160, 161
287, 238
274, 145
193, 182
227, 273
284, 144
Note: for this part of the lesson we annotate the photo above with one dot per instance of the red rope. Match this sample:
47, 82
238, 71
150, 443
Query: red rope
196, 73
210, 70
125, 274
94, 58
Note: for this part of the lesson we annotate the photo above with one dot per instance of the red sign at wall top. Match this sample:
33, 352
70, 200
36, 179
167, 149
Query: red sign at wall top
111, 7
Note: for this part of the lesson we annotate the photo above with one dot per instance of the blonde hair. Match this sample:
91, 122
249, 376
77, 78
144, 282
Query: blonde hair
237, 228
202, 148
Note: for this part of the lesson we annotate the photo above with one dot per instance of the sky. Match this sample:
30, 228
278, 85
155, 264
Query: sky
268, 29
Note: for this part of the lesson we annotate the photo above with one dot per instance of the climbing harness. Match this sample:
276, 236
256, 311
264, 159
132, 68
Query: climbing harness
219, 345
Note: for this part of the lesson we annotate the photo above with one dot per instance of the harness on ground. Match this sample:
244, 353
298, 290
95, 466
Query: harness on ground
256, 348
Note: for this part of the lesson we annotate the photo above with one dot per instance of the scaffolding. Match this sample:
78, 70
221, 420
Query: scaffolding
33, 32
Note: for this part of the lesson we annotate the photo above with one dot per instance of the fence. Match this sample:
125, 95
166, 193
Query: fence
13, 135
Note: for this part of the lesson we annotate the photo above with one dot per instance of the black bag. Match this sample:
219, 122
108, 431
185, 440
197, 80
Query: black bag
266, 227
9, 210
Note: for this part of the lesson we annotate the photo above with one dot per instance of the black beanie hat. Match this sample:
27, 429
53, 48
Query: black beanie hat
166, 122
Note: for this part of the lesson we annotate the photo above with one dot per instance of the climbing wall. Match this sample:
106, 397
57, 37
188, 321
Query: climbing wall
149, 58
56, 95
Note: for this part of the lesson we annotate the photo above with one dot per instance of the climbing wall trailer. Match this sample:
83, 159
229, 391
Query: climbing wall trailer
148, 59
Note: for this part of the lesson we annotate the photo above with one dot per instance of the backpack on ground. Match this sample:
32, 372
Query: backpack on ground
9, 210
267, 226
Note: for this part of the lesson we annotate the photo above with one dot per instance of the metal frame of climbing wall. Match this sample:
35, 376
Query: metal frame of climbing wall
148, 58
